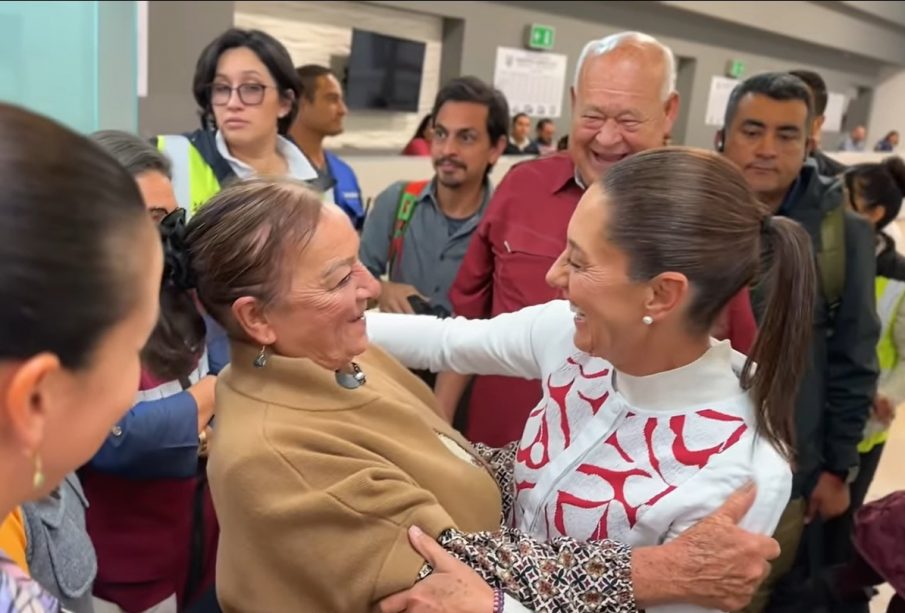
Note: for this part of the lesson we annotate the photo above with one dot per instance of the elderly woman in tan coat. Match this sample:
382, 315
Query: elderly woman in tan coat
328, 451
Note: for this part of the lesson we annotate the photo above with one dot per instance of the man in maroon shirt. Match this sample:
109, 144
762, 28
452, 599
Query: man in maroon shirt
623, 101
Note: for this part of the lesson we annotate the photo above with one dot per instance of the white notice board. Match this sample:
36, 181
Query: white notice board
533, 82
835, 109
720, 88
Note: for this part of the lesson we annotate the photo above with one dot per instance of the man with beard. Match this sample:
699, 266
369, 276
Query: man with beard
321, 113
417, 232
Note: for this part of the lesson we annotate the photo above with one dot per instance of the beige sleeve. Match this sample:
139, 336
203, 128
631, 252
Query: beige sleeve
288, 546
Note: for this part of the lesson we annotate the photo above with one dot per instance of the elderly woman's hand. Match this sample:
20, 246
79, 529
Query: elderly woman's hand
714, 564
452, 588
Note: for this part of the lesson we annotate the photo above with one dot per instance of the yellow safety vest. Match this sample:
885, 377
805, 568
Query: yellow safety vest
889, 297
194, 181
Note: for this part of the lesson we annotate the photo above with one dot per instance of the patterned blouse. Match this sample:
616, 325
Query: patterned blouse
19, 594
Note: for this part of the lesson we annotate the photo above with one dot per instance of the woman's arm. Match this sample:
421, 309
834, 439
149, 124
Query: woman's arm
156, 439
501, 463
510, 345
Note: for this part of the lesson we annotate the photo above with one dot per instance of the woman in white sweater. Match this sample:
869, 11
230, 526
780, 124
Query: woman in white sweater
646, 424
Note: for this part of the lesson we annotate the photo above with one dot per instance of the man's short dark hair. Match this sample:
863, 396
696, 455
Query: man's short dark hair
817, 86
308, 75
518, 116
543, 122
472, 89
773, 85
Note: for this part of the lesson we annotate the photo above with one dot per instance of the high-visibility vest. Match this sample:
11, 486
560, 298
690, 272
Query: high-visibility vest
890, 294
194, 180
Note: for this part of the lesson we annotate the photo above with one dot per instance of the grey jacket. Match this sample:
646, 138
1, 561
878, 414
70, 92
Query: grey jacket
59, 552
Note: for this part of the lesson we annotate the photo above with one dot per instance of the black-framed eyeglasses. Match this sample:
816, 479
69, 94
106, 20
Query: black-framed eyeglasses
251, 94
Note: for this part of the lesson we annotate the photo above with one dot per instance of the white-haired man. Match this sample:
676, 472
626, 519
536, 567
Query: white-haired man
623, 101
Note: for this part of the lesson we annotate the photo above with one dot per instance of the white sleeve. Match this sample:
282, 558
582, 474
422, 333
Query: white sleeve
709, 489
511, 605
512, 344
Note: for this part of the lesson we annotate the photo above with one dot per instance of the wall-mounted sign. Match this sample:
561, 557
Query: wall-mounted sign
540, 37
735, 69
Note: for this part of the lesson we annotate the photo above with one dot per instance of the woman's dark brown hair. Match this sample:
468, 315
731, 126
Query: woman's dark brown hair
272, 54
70, 217
244, 240
690, 211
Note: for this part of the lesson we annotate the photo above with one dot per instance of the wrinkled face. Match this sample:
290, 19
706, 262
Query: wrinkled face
325, 114
521, 127
593, 274
618, 109
768, 142
461, 148
546, 133
321, 316
253, 120
77, 408
157, 192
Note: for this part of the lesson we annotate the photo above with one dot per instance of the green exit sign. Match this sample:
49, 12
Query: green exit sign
735, 69
540, 37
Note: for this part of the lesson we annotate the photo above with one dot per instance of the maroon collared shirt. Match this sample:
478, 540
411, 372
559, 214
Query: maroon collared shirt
522, 233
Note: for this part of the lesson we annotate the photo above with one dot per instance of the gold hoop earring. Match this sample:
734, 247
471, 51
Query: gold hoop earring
37, 479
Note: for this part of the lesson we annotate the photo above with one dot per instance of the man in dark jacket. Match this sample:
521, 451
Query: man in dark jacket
826, 165
766, 133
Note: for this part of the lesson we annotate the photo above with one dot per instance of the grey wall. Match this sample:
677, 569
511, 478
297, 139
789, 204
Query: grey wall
177, 32
707, 41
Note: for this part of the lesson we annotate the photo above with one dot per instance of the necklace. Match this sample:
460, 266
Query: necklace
351, 381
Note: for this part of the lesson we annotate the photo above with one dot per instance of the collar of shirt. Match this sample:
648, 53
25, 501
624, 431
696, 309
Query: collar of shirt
299, 166
521, 145
429, 194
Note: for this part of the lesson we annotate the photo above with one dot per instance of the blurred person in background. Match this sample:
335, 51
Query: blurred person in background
826, 165
321, 114
420, 144
520, 142
546, 135
889, 142
856, 140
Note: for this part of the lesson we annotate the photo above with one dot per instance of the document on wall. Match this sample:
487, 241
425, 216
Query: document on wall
532, 81
718, 100
835, 110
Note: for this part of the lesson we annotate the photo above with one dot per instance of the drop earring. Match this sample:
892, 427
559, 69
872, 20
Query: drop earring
261, 358
37, 479
647, 320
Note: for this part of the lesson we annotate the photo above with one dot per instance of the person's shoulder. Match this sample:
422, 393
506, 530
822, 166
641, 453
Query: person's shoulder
389, 197
338, 162
530, 181
555, 166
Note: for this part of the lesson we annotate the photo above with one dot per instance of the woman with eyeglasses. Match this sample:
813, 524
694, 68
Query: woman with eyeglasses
150, 517
248, 92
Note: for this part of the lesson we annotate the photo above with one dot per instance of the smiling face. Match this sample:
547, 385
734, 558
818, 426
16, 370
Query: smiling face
618, 108
593, 274
320, 315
